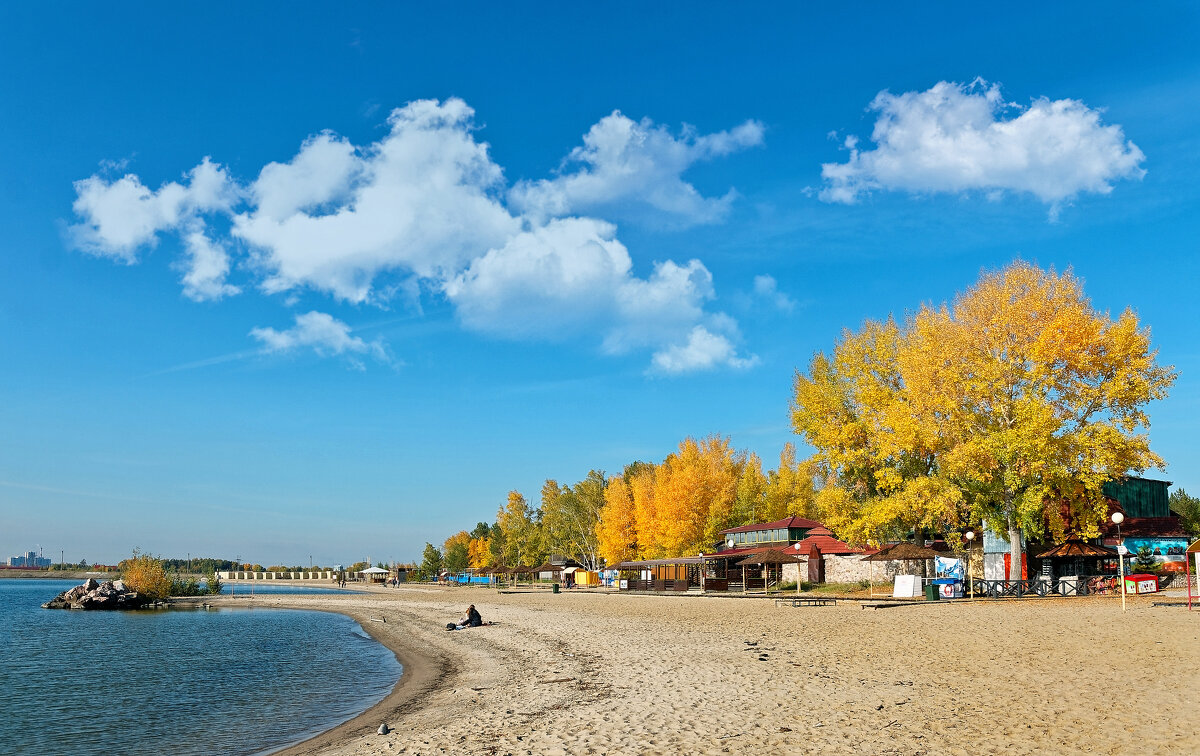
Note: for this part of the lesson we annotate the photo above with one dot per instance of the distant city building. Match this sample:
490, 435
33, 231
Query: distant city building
29, 559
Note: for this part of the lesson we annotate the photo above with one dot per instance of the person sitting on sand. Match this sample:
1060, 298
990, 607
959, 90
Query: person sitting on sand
470, 618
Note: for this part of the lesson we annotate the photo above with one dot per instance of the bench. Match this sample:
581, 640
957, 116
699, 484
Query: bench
806, 602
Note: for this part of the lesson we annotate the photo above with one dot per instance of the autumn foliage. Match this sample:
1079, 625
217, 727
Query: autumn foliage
1011, 406
146, 575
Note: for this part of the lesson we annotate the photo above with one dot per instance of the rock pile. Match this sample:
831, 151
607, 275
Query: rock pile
93, 595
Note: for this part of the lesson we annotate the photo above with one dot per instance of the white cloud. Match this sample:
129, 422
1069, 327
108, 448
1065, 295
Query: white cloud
572, 279
550, 281
957, 138
702, 351
122, 215
419, 202
320, 173
320, 332
766, 288
624, 161
206, 268
423, 209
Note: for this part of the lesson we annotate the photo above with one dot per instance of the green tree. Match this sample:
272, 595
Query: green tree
569, 517
481, 530
1188, 509
431, 562
520, 540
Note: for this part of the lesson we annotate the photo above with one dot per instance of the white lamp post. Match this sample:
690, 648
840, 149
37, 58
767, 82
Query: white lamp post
1117, 519
970, 536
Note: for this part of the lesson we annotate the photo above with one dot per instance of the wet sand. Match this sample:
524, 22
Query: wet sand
597, 673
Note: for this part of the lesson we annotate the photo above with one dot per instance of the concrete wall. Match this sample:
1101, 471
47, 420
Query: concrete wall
247, 575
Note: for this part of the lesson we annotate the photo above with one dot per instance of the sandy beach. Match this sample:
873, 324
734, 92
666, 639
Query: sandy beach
598, 673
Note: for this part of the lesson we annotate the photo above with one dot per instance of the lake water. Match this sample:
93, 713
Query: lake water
183, 682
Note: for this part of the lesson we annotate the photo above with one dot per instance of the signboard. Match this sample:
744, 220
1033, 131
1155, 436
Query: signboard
1141, 584
624, 584
907, 586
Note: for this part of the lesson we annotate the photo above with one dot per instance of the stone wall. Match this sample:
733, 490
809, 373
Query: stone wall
852, 569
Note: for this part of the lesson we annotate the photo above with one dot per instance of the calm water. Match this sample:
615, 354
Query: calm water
229, 681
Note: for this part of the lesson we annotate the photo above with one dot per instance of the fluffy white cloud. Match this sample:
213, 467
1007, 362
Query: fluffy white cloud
703, 350
122, 215
548, 282
320, 173
321, 332
623, 161
418, 202
572, 278
955, 138
766, 288
424, 209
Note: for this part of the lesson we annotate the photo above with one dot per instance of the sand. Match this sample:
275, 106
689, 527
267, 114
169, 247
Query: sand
600, 673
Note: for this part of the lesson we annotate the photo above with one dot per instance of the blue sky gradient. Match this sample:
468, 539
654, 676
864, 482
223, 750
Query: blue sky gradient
137, 414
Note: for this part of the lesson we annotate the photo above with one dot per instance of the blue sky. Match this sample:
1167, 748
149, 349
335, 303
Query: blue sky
331, 282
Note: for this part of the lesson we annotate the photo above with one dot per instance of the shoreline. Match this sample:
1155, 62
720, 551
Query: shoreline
596, 673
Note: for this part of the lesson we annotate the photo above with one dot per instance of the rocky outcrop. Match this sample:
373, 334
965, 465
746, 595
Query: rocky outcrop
92, 595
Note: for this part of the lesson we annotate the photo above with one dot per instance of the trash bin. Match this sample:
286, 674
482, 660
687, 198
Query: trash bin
554, 588
931, 592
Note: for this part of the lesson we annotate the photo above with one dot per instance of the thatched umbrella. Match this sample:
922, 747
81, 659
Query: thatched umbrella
766, 557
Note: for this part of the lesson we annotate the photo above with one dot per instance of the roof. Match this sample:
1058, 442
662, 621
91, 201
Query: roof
1077, 548
1145, 527
790, 522
826, 543
903, 550
638, 564
772, 556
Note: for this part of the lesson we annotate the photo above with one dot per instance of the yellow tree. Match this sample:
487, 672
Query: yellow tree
694, 494
789, 491
616, 530
642, 488
1013, 405
851, 407
750, 496
479, 552
1039, 397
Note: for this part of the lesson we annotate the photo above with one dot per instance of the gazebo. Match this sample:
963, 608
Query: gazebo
1077, 551
547, 567
766, 558
375, 574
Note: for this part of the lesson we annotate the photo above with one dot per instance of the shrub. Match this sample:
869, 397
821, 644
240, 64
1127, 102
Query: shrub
184, 586
214, 583
146, 575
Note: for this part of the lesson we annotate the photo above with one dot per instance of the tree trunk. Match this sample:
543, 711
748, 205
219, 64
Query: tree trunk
1014, 550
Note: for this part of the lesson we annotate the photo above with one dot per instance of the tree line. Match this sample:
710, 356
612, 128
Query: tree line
652, 510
